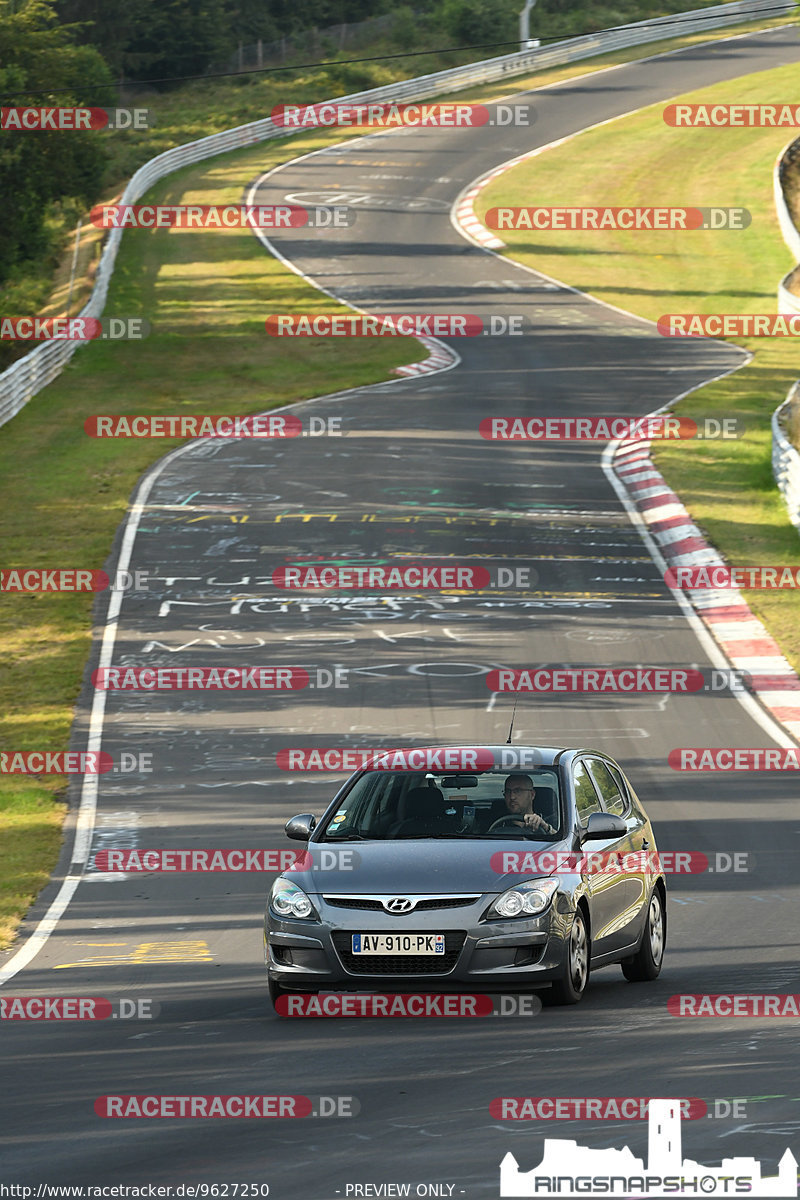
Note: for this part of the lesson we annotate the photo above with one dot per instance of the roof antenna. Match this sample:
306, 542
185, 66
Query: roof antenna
511, 726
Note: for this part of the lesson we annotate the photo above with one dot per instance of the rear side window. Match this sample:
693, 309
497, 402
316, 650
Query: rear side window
586, 797
608, 787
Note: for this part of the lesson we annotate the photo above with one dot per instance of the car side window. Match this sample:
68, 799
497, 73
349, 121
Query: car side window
586, 798
613, 800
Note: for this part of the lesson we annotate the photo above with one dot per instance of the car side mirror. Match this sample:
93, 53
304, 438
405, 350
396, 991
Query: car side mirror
299, 828
603, 825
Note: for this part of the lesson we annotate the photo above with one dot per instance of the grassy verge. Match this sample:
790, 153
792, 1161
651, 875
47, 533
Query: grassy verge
206, 297
727, 486
206, 294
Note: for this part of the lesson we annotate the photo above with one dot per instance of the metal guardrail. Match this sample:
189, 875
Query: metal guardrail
786, 461
785, 458
788, 301
21, 381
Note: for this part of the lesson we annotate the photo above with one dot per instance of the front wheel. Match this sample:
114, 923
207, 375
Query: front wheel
570, 987
646, 963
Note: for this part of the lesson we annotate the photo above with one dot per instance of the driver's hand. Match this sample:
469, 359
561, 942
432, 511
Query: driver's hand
534, 821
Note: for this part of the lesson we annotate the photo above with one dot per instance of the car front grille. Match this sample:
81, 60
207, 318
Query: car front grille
400, 964
423, 905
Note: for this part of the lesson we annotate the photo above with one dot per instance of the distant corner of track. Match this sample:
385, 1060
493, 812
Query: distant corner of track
441, 357
724, 622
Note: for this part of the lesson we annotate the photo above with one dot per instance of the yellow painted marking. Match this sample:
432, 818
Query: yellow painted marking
145, 952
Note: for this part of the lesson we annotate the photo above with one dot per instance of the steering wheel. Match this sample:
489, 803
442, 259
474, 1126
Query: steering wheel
505, 820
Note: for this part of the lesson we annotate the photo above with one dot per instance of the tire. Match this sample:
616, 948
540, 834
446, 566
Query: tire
570, 987
646, 963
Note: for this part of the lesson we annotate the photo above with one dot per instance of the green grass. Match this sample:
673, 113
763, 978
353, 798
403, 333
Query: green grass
727, 486
207, 296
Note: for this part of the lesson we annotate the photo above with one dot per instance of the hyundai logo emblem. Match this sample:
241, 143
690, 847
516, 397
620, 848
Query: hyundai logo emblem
398, 904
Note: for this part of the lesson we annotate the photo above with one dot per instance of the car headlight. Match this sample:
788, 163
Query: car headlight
525, 899
288, 900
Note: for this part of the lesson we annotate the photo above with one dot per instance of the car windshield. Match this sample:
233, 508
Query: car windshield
385, 805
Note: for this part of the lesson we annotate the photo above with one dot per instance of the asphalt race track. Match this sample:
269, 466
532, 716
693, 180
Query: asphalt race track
408, 476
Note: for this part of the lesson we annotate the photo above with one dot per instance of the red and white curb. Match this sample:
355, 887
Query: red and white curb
441, 357
463, 211
725, 613
464, 208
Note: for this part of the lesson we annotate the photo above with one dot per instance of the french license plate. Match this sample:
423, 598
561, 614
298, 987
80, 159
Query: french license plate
398, 943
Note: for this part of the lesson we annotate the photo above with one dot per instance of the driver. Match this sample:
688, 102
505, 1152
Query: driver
519, 794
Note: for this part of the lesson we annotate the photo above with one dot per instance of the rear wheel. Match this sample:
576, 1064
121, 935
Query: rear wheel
570, 987
646, 963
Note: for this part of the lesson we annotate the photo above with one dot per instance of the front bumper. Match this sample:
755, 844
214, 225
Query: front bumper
479, 955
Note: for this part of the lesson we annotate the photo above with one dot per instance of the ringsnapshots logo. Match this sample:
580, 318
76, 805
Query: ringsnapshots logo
643, 218
391, 115
568, 1169
393, 325
408, 1004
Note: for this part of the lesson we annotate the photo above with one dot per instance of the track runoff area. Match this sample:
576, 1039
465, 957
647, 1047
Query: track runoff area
190, 1080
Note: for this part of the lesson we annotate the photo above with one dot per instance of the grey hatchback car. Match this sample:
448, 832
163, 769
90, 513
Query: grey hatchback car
478, 869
